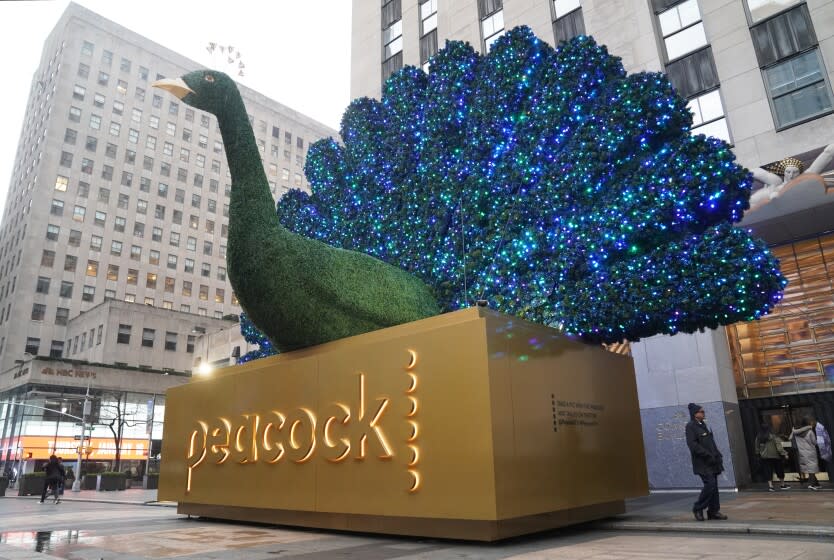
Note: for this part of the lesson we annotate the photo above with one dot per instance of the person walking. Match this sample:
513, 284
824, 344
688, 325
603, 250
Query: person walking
805, 440
707, 462
824, 445
54, 475
772, 454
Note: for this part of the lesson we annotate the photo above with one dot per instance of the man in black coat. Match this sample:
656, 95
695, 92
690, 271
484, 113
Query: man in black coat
707, 462
54, 475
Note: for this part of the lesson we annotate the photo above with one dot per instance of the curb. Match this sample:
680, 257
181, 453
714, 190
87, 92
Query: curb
153, 503
722, 528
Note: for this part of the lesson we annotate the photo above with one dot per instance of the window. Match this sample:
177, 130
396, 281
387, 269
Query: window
61, 316
203, 141
38, 312
103, 78
78, 92
47, 258
83, 70
75, 114
141, 206
195, 200
98, 334
66, 159
153, 121
185, 154
203, 292
116, 248
182, 174
207, 247
145, 184
186, 134
123, 337
95, 242
88, 293
297, 180
52, 232
186, 288
153, 256
139, 93
98, 100
57, 208
92, 268
135, 253
115, 128
70, 136
83, 189
66, 289
157, 101
107, 172
124, 66
147, 337
191, 243
189, 115
173, 108
150, 142
567, 20
132, 276
113, 272
100, 218
200, 161
189, 265
162, 190
204, 121
168, 149
798, 89
147, 163
133, 136
682, 29
42, 286
189, 344
118, 107
130, 298
170, 340
176, 217
198, 180
86, 166
139, 229
219, 295
150, 281
172, 262
708, 116
392, 40
119, 224
74, 238
159, 212
61, 183
194, 221
174, 240
794, 75
156, 233
761, 9
70, 263
32, 345
130, 157
492, 21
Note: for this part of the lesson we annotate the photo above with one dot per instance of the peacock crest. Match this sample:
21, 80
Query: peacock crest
549, 183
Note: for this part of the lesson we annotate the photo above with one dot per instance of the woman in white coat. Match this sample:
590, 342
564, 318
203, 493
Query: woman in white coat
805, 442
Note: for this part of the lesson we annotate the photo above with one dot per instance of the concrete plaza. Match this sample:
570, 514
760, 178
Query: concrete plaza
131, 525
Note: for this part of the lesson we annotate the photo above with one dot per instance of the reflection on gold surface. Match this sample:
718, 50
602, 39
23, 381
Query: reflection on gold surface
791, 350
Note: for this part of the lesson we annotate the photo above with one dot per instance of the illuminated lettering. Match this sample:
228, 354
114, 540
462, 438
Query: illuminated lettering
302, 426
372, 425
246, 440
192, 452
335, 450
266, 438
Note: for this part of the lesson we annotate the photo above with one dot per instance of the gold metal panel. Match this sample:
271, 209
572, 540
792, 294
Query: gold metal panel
469, 419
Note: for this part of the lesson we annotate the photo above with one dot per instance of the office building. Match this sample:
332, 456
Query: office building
756, 73
120, 194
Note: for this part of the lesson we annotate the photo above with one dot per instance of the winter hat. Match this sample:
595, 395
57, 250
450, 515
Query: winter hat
694, 408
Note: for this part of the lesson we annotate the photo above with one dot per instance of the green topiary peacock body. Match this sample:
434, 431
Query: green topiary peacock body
300, 292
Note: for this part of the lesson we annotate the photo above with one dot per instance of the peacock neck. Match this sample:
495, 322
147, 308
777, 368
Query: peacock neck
251, 203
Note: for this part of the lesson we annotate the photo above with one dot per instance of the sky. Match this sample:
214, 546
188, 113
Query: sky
296, 52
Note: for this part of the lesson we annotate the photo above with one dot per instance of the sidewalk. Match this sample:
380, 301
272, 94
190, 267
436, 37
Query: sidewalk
795, 512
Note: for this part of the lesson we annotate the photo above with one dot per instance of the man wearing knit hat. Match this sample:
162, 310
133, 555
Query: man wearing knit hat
707, 462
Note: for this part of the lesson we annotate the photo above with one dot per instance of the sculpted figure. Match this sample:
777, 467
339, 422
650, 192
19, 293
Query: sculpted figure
788, 173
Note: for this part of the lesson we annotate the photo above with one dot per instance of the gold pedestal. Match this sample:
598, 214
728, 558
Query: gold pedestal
469, 425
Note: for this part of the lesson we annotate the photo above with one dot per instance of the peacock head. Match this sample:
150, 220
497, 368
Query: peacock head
208, 90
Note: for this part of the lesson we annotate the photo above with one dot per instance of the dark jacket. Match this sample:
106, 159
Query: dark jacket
54, 471
706, 459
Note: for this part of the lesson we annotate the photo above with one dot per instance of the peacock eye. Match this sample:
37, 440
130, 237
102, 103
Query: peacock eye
209, 78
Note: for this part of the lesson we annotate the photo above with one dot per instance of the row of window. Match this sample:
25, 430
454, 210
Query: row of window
43, 284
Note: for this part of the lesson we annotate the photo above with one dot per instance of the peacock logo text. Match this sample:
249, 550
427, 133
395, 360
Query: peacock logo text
335, 433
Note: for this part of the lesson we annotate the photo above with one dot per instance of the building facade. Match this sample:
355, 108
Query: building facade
756, 73
120, 191
113, 238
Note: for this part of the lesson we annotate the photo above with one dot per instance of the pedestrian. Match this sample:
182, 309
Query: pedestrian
824, 445
54, 474
772, 454
707, 462
63, 478
805, 441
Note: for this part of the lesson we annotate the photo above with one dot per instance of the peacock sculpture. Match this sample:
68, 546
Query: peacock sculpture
547, 183
298, 291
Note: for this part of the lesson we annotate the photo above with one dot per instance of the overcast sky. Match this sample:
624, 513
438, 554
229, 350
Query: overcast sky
296, 52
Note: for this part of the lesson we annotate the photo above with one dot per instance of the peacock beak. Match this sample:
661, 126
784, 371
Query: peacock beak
176, 86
